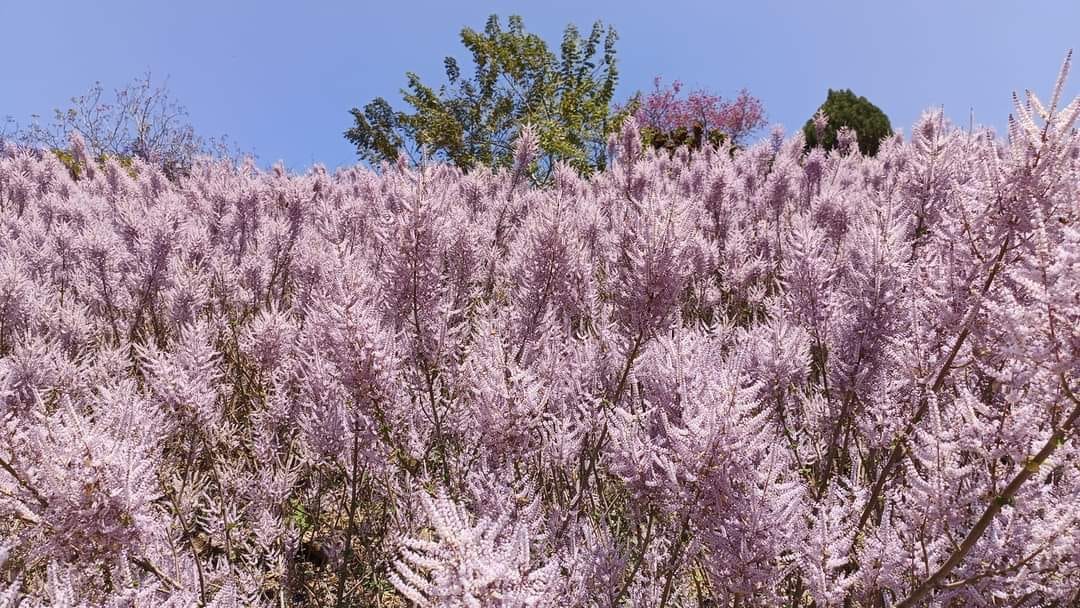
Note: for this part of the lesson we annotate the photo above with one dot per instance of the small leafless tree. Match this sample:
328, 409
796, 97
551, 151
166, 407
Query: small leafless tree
139, 120
8, 129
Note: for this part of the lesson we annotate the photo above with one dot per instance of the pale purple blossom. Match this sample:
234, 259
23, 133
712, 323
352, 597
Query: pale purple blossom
765, 376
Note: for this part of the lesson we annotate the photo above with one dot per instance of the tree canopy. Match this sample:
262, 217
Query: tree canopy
516, 80
669, 119
844, 108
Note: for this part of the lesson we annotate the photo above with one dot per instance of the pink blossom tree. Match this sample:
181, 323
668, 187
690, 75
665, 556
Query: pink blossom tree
670, 119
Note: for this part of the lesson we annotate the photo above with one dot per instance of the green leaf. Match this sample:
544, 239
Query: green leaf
472, 121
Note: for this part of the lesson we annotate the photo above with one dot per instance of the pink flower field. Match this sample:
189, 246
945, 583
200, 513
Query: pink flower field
756, 376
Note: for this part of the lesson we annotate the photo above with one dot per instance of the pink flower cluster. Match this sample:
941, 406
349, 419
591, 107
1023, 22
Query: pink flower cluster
777, 377
665, 110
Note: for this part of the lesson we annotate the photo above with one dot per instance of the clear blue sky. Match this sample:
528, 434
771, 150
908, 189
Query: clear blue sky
279, 77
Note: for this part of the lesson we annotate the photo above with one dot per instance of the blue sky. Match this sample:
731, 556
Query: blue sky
278, 78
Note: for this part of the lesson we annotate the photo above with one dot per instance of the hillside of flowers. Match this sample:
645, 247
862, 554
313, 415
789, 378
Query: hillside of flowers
765, 377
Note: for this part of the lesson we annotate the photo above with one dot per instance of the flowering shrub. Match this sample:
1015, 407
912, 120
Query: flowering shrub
669, 120
774, 378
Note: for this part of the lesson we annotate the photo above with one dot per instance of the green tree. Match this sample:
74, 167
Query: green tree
516, 80
846, 109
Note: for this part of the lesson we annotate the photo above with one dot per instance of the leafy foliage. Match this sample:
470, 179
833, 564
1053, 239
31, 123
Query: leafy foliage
516, 81
786, 377
843, 109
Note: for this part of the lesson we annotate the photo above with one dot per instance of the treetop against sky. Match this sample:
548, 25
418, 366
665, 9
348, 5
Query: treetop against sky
279, 78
